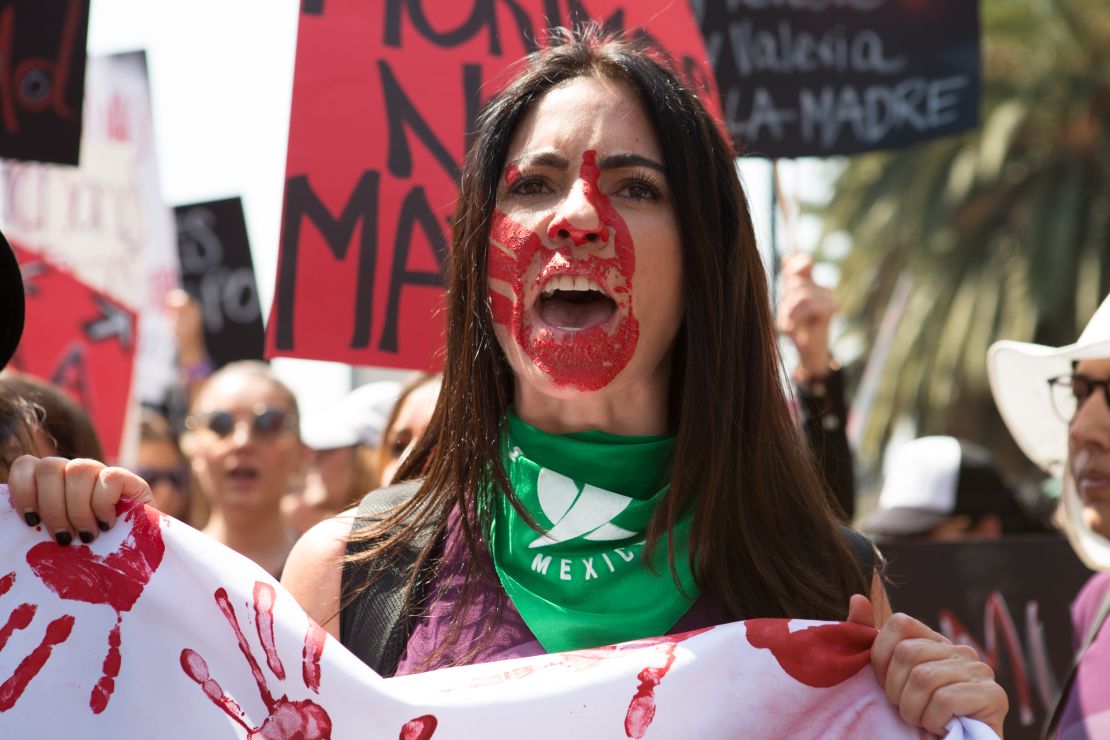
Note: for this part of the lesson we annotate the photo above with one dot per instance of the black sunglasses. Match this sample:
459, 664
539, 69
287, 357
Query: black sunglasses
177, 477
266, 423
1069, 392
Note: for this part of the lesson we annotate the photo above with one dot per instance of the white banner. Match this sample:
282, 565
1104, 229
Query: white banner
157, 631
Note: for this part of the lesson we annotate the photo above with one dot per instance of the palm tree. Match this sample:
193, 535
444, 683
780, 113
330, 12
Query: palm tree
1003, 232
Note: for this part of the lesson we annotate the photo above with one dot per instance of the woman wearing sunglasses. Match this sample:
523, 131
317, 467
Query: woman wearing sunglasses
1056, 403
245, 449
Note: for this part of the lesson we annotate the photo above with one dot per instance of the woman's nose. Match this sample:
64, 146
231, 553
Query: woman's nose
578, 220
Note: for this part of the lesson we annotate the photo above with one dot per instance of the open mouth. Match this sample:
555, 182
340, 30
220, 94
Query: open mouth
243, 474
574, 303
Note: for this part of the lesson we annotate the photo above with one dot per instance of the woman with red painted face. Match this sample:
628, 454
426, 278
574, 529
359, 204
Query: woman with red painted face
612, 455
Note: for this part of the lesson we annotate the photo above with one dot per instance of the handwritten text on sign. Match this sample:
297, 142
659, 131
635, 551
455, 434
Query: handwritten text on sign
42, 78
383, 97
821, 77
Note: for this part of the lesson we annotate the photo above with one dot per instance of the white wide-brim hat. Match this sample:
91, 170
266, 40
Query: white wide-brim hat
1019, 374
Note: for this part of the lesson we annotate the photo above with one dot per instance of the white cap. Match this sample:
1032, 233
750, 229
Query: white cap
357, 418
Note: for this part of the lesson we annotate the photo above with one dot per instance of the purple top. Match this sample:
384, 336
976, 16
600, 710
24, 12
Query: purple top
492, 623
1087, 711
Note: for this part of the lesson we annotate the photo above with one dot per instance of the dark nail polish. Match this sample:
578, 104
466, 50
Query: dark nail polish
31, 518
63, 538
86, 537
103, 525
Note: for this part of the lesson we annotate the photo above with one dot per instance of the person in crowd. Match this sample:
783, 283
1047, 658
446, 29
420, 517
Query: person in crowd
611, 396
344, 466
943, 489
804, 314
407, 422
1056, 403
193, 363
65, 426
162, 464
243, 440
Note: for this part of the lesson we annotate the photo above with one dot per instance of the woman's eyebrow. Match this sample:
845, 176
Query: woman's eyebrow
628, 159
542, 159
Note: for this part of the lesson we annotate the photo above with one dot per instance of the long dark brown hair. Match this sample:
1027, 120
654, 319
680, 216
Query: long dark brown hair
765, 541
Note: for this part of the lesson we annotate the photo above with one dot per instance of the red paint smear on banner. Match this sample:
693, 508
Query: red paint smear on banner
76, 573
196, 668
19, 619
641, 710
820, 656
304, 720
314, 640
244, 647
102, 692
420, 728
264, 620
11, 690
589, 359
6, 583
58, 345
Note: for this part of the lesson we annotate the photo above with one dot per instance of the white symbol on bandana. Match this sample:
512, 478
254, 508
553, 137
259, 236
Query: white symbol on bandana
575, 514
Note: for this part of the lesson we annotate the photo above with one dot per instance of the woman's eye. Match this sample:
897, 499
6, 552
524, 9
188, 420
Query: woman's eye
529, 186
400, 443
640, 189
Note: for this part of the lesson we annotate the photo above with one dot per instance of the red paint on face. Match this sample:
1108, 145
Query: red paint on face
641, 710
821, 656
591, 358
76, 573
57, 632
421, 728
304, 719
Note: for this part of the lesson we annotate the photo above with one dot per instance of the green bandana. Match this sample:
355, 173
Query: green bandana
584, 583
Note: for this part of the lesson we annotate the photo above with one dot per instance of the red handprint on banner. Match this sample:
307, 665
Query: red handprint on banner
76, 573
56, 633
286, 719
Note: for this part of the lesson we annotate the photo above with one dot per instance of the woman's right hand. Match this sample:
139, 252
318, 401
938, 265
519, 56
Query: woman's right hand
72, 498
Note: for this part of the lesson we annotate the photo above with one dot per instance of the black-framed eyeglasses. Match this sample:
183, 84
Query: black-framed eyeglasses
266, 422
1069, 392
177, 477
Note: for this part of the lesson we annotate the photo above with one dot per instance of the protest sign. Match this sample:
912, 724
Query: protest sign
1009, 599
155, 630
118, 110
79, 339
816, 78
383, 98
42, 78
216, 270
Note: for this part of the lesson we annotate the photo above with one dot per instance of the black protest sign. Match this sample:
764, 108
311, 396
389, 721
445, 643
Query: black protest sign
1009, 599
42, 78
216, 270
822, 77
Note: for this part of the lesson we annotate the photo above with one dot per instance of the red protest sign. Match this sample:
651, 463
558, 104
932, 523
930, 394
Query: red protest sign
78, 338
383, 95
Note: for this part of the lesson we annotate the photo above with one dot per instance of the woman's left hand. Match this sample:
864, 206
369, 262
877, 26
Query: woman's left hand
927, 677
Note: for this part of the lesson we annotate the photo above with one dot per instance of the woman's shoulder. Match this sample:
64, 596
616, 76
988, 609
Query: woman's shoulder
313, 573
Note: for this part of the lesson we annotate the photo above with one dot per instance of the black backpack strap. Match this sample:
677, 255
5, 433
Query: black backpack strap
373, 623
1061, 698
867, 556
